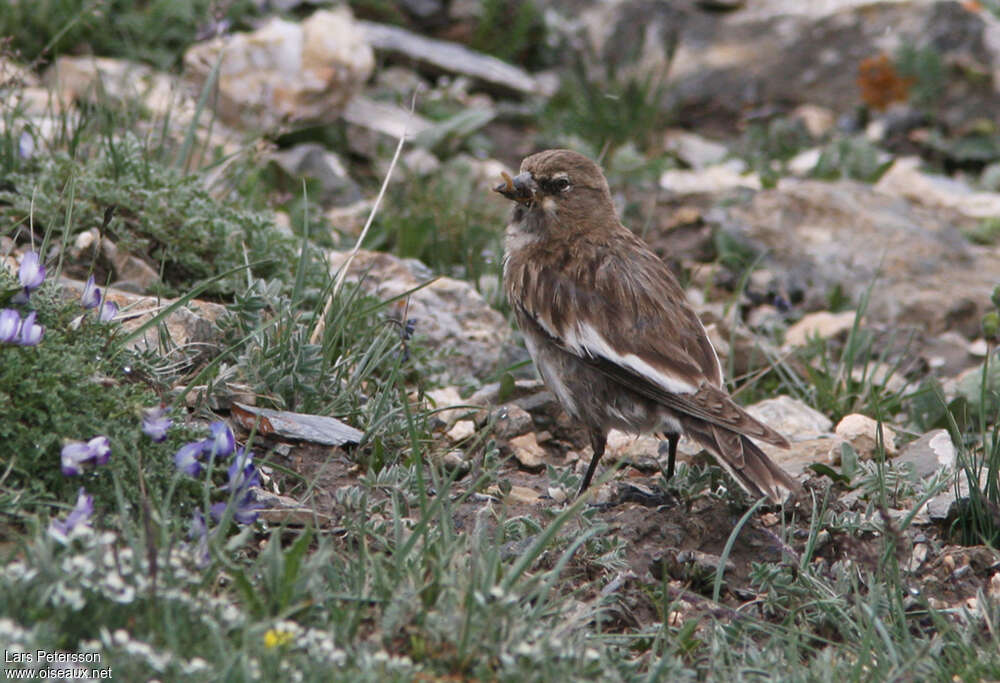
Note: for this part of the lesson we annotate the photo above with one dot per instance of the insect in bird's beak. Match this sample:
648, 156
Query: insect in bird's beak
520, 188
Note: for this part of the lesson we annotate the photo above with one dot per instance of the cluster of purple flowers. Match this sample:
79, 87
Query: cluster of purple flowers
14, 329
78, 455
242, 472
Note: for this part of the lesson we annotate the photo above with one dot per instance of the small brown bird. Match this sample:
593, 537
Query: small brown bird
611, 331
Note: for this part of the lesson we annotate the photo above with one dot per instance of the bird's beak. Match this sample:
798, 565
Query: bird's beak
521, 188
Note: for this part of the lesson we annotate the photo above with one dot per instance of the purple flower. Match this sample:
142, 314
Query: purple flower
243, 477
79, 516
155, 423
91, 297
222, 441
100, 446
242, 472
186, 459
199, 532
10, 325
76, 454
31, 273
31, 332
109, 309
245, 508
73, 455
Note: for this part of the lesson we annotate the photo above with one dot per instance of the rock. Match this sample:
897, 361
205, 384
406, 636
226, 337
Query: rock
947, 353
823, 235
979, 348
450, 314
686, 235
818, 121
861, 432
132, 274
96, 80
791, 417
527, 451
558, 494
191, 326
906, 179
85, 79
797, 459
712, 180
765, 318
511, 420
822, 324
724, 64
284, 71
278, 509
641, 451
522, 494
384, 118
311, 160
881, 375
455, 460
321, 429
450, 57
491, 394
420, 161
349, 220
399, 82
930, 453
969, 385
803, 163
442, 401
694, 150
462, 430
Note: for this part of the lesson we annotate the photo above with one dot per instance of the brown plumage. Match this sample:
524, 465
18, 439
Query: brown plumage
611, 331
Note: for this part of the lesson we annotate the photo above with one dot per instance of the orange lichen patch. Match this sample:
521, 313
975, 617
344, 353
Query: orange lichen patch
972, 5
880, 82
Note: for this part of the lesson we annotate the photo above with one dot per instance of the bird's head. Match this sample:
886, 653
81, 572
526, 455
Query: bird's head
558, 181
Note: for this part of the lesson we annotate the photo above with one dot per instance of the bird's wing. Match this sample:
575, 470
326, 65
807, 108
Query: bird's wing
631, 321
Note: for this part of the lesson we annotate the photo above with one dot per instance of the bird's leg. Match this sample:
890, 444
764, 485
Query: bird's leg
672, 440
597, 440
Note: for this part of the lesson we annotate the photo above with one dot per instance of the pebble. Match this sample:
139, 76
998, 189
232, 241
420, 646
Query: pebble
527, 451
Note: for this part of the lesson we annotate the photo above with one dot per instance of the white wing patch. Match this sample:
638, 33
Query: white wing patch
584, 340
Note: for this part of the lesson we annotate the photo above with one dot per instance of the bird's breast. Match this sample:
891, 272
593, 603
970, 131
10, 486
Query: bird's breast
518, 237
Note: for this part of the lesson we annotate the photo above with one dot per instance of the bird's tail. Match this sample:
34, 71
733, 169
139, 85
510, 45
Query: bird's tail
744, 460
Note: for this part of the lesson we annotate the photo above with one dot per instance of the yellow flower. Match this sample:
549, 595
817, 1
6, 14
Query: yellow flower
276, 638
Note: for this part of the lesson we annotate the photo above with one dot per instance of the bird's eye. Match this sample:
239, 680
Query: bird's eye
560, 184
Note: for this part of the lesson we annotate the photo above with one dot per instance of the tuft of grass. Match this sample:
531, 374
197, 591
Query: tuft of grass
608, 110
768, 145
448, 221
513, 30
925, 72
163, 216
852, 157
986, 232
157, 31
